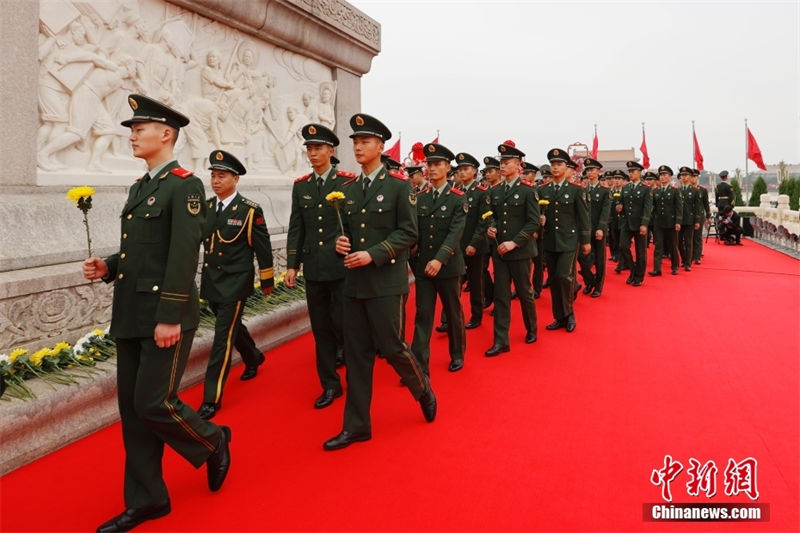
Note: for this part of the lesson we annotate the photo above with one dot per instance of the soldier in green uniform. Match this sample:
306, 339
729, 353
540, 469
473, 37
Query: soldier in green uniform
723, 193
234, 230
636, 204
380, 225
441, 214
666, 221
615, 192
691, 215
539, 265
310, 242
474, 244
491, 179
515, 215
155, 312
599, 209
566, 222
697, 248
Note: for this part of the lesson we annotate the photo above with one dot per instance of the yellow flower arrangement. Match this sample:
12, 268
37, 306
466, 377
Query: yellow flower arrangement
544, 201
335, 198
616, 195
82, 196
18, 352
486, 215
38, 356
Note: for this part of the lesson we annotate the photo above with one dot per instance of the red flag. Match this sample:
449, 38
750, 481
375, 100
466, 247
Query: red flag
643, 149
754, 152
394, 151
436, 140
698, 157
594, 146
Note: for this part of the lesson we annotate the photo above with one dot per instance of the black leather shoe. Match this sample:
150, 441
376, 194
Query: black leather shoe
327, 397
442, 328
537, 295
629, 280
618, 270
339, 357
513, 294
587, 289
208, 411
130, 518
219, 461
497, 349
696, 261
487, 303
674, 272
571, 325
456, 365
687, 268
596, 293
654, 273
345, 439
472, 324
613, 258
554, 325
428, 403
530, 337
637, 283
252, 371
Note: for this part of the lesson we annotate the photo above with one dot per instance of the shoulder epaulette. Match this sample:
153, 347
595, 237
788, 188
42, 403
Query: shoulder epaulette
182, 173
251, 203
497, 184
525, 183
459, 192
398, 175
301, 178
345, 174
348, 182
481, 187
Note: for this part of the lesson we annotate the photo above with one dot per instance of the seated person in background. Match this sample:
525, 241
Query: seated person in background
729, 226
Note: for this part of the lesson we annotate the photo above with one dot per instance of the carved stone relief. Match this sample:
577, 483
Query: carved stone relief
241, 94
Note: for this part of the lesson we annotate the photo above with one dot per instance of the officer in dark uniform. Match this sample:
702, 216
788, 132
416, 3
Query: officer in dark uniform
491, 179
417, 177
723, 193
666, 221
691, 215
539, 265
599, 210
310, 241
155, 312
636, 203
615, 193
697, 248
567, 224
515, 215
441, 214
529, 172
390, 163
380, 224
234, 230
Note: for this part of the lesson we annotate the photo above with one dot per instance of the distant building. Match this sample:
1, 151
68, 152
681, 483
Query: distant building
615, 159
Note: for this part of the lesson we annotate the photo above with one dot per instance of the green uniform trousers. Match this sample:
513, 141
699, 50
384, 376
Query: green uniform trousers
538, 265
518, 271
325, 308
449, 290
152, 415
229, 333
666, 240
371, 323
639, 266
475, 265
697, 245
686, 244
595, 258
561, 273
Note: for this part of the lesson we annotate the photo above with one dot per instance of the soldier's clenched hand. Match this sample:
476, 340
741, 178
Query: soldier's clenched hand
94, 268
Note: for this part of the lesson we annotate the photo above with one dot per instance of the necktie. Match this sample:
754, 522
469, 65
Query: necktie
508, 188
435, 195
319, 183
147, 178
366, 185
219, 208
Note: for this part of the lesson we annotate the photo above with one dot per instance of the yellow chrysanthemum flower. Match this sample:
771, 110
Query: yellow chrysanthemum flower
76, 193
616, 195
16, 353
99, 332
335, 195
36, 358
84, 358
544, 202
486, 215
58, 348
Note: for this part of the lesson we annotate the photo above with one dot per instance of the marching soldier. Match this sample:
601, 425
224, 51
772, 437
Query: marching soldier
723, 194
441, 213
666, 221
380, 225
697, 248
538, 261
491, 180
529, 171
417, 178
310, 241
599, 209
515, 210
154, 316
636, 204
234, 230
691, 214
567, 224
615, 192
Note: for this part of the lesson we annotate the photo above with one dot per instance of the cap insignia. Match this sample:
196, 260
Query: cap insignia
359, 120
312, 130
218, 156
133, 104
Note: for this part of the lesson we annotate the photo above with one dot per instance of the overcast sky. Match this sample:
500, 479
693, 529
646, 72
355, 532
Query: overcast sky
543, 73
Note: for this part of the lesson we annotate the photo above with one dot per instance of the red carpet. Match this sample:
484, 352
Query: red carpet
561, 435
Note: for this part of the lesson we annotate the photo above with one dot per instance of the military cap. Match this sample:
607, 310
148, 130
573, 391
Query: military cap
491, 162
390, 163
572, 164
723, 174
464, 158
334, 160
650, 175
664, 168
545, 171
508, 151
634, 165
695, 172
367, 126
435, 151
685, 170
556, 154
413, 169
319, 134
588, 162
148, 110
529, 167
621, 174
222, 160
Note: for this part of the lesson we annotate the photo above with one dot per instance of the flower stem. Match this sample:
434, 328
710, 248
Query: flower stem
88, 235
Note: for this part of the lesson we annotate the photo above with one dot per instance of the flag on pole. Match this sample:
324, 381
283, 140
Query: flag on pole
643, 149
594, 143
394, 151
698, 157
754, 152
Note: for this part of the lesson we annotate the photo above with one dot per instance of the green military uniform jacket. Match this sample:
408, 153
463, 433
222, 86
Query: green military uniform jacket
704, 200
516, 217
637, 205
616, 199
154, 270
599, 208
382, 222
314, 228
667, 207
692, 206
441, 224
474, 232
567, 220
723, 192
230, 240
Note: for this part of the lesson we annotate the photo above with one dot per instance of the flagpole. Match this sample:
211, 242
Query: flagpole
746, 162
694, 147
